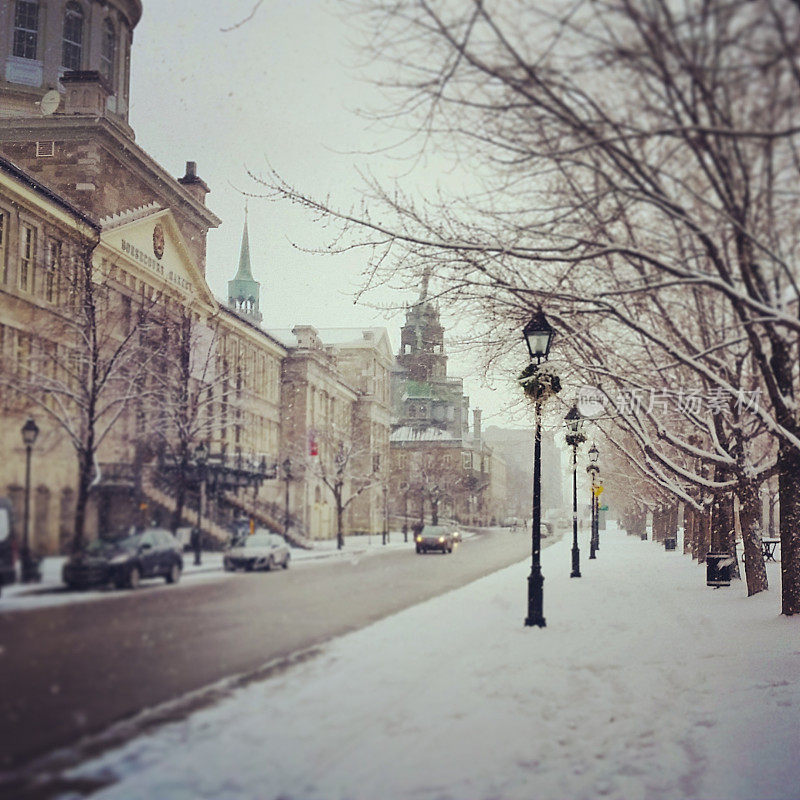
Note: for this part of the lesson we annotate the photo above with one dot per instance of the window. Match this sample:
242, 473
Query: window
26, 29
27, 244
108, 49
3, 238
51, 277
73, 37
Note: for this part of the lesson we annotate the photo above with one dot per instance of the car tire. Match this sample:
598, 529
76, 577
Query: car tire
134, 577
227, 566
269, 565
286, 561
174, 574
248, 567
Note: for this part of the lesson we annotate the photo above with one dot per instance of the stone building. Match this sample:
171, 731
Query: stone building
336, 414
438, 463
77, 191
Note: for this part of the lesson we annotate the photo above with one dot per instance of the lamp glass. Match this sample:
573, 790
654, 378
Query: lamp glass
30, 430
594, 454
538, 335
574, 420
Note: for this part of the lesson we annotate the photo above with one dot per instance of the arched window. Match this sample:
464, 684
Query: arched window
72, 49
26, 28
108, 49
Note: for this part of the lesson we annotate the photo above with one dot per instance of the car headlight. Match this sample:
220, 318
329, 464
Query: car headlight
441, 540
419, 538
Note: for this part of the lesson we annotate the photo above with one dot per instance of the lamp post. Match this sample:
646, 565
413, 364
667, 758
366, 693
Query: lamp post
30, 571
404, 490
574, 437
593, 469
538, 334
201, 458
385, 531
287, 476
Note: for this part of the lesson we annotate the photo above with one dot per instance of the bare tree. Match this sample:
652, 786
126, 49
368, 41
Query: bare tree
86, 364
638, 150
345, 465
188, 378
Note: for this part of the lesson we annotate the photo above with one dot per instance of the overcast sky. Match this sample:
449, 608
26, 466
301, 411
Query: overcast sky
283, 89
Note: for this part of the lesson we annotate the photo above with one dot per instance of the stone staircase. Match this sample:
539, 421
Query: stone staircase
190, 515
271, 515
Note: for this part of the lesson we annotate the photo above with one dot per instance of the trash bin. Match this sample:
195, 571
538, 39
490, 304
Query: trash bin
718, 569
670, 543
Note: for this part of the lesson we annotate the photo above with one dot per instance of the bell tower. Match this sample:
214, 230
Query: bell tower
244, 290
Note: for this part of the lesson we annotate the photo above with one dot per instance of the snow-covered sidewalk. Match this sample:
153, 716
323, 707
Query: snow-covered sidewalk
645, 685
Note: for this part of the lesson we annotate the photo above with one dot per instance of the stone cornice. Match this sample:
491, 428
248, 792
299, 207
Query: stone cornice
120, 146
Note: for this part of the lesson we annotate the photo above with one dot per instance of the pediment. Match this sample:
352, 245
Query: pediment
153, 242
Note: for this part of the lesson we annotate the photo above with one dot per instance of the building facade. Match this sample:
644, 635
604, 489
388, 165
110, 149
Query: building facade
439, 466
90, 222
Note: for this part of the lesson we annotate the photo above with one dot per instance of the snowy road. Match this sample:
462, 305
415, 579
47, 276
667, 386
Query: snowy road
77, 668
645, 685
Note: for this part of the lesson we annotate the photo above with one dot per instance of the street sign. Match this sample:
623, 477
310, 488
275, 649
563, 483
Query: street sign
603, 508
598, 490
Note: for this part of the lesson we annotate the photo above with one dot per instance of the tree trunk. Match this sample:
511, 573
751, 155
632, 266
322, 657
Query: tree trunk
789, 494
750, 518
704, 535
723, 529
689, 524
339, 523
180, 495
82, 499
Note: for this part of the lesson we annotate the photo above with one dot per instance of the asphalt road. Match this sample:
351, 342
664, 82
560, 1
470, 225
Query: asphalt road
71, 670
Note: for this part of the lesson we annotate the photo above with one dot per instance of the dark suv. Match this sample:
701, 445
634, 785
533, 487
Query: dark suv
124, 562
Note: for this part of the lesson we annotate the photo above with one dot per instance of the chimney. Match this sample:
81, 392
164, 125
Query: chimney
193, 184
307, 337
476, 424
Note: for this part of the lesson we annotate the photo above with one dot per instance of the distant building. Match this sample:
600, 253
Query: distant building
439, 467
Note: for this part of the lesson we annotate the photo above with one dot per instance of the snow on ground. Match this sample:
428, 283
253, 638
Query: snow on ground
645, 685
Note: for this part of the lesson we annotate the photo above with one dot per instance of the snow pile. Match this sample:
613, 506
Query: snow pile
645, 684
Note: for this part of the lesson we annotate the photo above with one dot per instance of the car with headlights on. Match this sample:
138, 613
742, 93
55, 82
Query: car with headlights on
260, 550
435, 537
152, 553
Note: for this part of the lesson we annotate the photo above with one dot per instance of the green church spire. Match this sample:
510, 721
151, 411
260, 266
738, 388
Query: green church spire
244, 290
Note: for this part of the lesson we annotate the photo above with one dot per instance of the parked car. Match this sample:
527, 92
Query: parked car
8, 572
124, 562
261, 550
435, 537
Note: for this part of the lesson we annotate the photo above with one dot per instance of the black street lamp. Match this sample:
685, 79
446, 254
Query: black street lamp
593, 469
385, 531
287, 476
538, 334
201, 459
574, 437
30, 570
404, 490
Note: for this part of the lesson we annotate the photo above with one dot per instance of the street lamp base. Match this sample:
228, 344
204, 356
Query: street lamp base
539, 622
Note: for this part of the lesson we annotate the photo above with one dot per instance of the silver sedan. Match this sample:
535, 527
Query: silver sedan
261, 550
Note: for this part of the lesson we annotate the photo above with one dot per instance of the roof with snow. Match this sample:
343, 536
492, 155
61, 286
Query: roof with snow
408, 434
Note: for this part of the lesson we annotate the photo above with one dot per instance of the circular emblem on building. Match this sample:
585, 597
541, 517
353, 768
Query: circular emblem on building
158, 241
